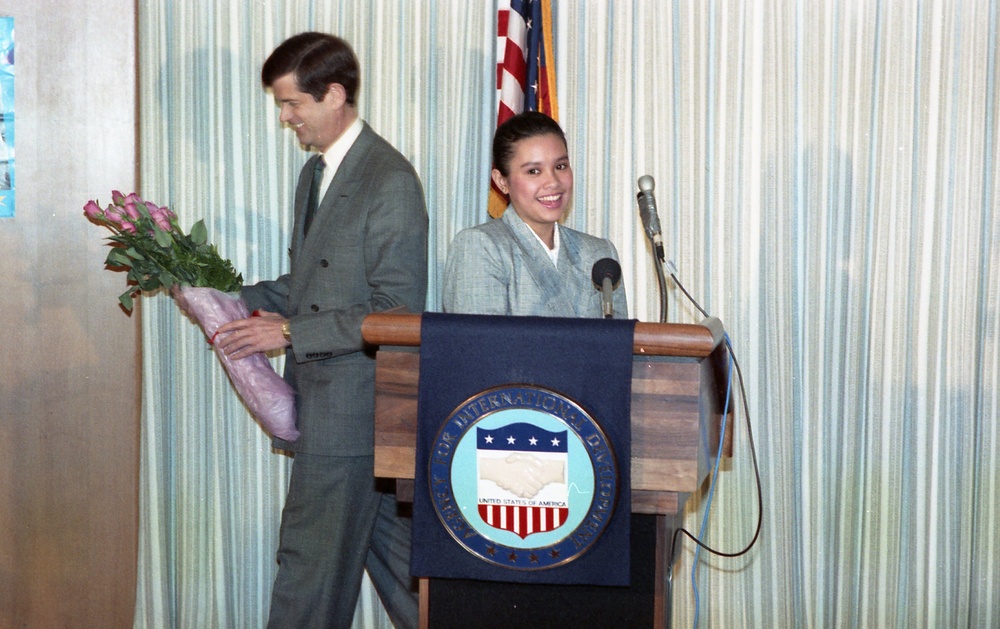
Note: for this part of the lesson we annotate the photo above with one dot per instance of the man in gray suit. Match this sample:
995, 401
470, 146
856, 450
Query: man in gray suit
361, 249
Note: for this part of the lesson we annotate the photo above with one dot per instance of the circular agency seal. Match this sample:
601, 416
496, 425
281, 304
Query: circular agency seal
523, 477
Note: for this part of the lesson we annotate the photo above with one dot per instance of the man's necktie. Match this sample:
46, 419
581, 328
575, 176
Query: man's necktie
313, 201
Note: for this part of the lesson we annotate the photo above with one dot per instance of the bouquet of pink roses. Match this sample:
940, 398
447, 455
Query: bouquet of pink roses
149, 243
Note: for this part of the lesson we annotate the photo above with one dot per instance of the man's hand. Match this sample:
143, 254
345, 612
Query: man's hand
259, 333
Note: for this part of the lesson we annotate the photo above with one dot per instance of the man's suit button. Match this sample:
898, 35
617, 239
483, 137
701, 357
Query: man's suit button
314, 308
324, 263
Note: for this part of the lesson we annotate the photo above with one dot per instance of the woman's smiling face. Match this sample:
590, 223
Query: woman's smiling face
539, 183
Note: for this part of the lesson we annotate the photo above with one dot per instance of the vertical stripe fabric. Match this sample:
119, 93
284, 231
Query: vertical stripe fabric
825, 173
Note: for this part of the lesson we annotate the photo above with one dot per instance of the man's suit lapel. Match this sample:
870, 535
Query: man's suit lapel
553, 288
343, 186
301, 198
334, 202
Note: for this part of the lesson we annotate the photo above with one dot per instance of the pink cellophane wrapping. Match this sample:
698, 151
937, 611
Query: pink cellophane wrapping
270, 399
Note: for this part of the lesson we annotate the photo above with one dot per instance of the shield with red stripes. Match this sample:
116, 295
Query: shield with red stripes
521, 472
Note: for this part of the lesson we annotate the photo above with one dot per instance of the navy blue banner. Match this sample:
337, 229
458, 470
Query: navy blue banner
523, 450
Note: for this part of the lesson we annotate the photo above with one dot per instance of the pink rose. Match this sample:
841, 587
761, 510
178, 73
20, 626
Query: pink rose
114, 214
131, 211
128, 227
160, 217
117, 197
93, 211
133, 198
154, 209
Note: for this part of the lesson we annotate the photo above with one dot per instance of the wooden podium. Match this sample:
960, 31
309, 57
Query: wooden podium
678, 395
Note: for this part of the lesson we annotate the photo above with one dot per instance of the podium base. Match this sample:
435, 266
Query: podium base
462, 603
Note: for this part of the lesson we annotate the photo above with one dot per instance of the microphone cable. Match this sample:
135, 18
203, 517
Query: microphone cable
753, 455
711, 487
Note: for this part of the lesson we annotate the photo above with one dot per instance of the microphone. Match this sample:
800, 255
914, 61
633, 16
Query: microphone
605, 275
647, 211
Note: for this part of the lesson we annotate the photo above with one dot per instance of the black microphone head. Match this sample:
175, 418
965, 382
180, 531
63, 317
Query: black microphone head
606, 268
646, 184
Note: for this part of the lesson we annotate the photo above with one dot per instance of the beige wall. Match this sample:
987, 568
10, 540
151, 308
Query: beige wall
68, 356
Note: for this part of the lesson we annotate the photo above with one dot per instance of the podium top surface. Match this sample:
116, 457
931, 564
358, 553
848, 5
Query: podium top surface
650, 339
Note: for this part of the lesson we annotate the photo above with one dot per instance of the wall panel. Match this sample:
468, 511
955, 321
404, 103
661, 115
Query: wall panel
68, 355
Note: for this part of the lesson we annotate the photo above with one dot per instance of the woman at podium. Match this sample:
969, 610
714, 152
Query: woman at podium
525, 263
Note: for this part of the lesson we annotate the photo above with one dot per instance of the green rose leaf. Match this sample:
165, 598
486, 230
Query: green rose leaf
164, 239
199, 234
117, 257
126, 300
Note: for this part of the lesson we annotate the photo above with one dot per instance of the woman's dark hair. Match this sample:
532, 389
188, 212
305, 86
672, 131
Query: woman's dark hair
528, 124
317, 60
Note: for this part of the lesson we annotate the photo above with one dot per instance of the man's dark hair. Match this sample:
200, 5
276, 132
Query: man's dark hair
524, 125
317, 60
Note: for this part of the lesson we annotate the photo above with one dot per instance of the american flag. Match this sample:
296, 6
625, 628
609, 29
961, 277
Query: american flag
526, 77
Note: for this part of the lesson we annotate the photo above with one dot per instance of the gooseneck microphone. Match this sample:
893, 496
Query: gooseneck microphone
606, 274
647, 212
651, 223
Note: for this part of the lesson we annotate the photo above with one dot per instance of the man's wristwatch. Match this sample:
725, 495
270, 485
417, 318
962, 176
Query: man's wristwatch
286, 330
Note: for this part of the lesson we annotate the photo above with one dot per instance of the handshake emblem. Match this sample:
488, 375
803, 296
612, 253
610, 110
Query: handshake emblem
522, 473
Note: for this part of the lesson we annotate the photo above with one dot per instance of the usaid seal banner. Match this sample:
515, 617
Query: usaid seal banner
523, 477
523, 446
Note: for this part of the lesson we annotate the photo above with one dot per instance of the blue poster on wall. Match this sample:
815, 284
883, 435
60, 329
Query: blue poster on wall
6, 117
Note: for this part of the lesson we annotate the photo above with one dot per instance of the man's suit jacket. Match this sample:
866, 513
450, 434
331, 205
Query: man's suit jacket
501, 268
366, 251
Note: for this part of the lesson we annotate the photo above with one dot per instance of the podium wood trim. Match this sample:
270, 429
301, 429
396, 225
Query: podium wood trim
653, 339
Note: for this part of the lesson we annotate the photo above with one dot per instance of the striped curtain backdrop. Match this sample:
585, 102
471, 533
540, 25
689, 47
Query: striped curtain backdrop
825, 173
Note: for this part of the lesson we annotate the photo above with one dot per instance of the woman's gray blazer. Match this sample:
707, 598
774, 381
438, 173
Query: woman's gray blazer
501, 268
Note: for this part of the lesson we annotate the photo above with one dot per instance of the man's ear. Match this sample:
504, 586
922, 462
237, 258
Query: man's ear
337, 93
500, 181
